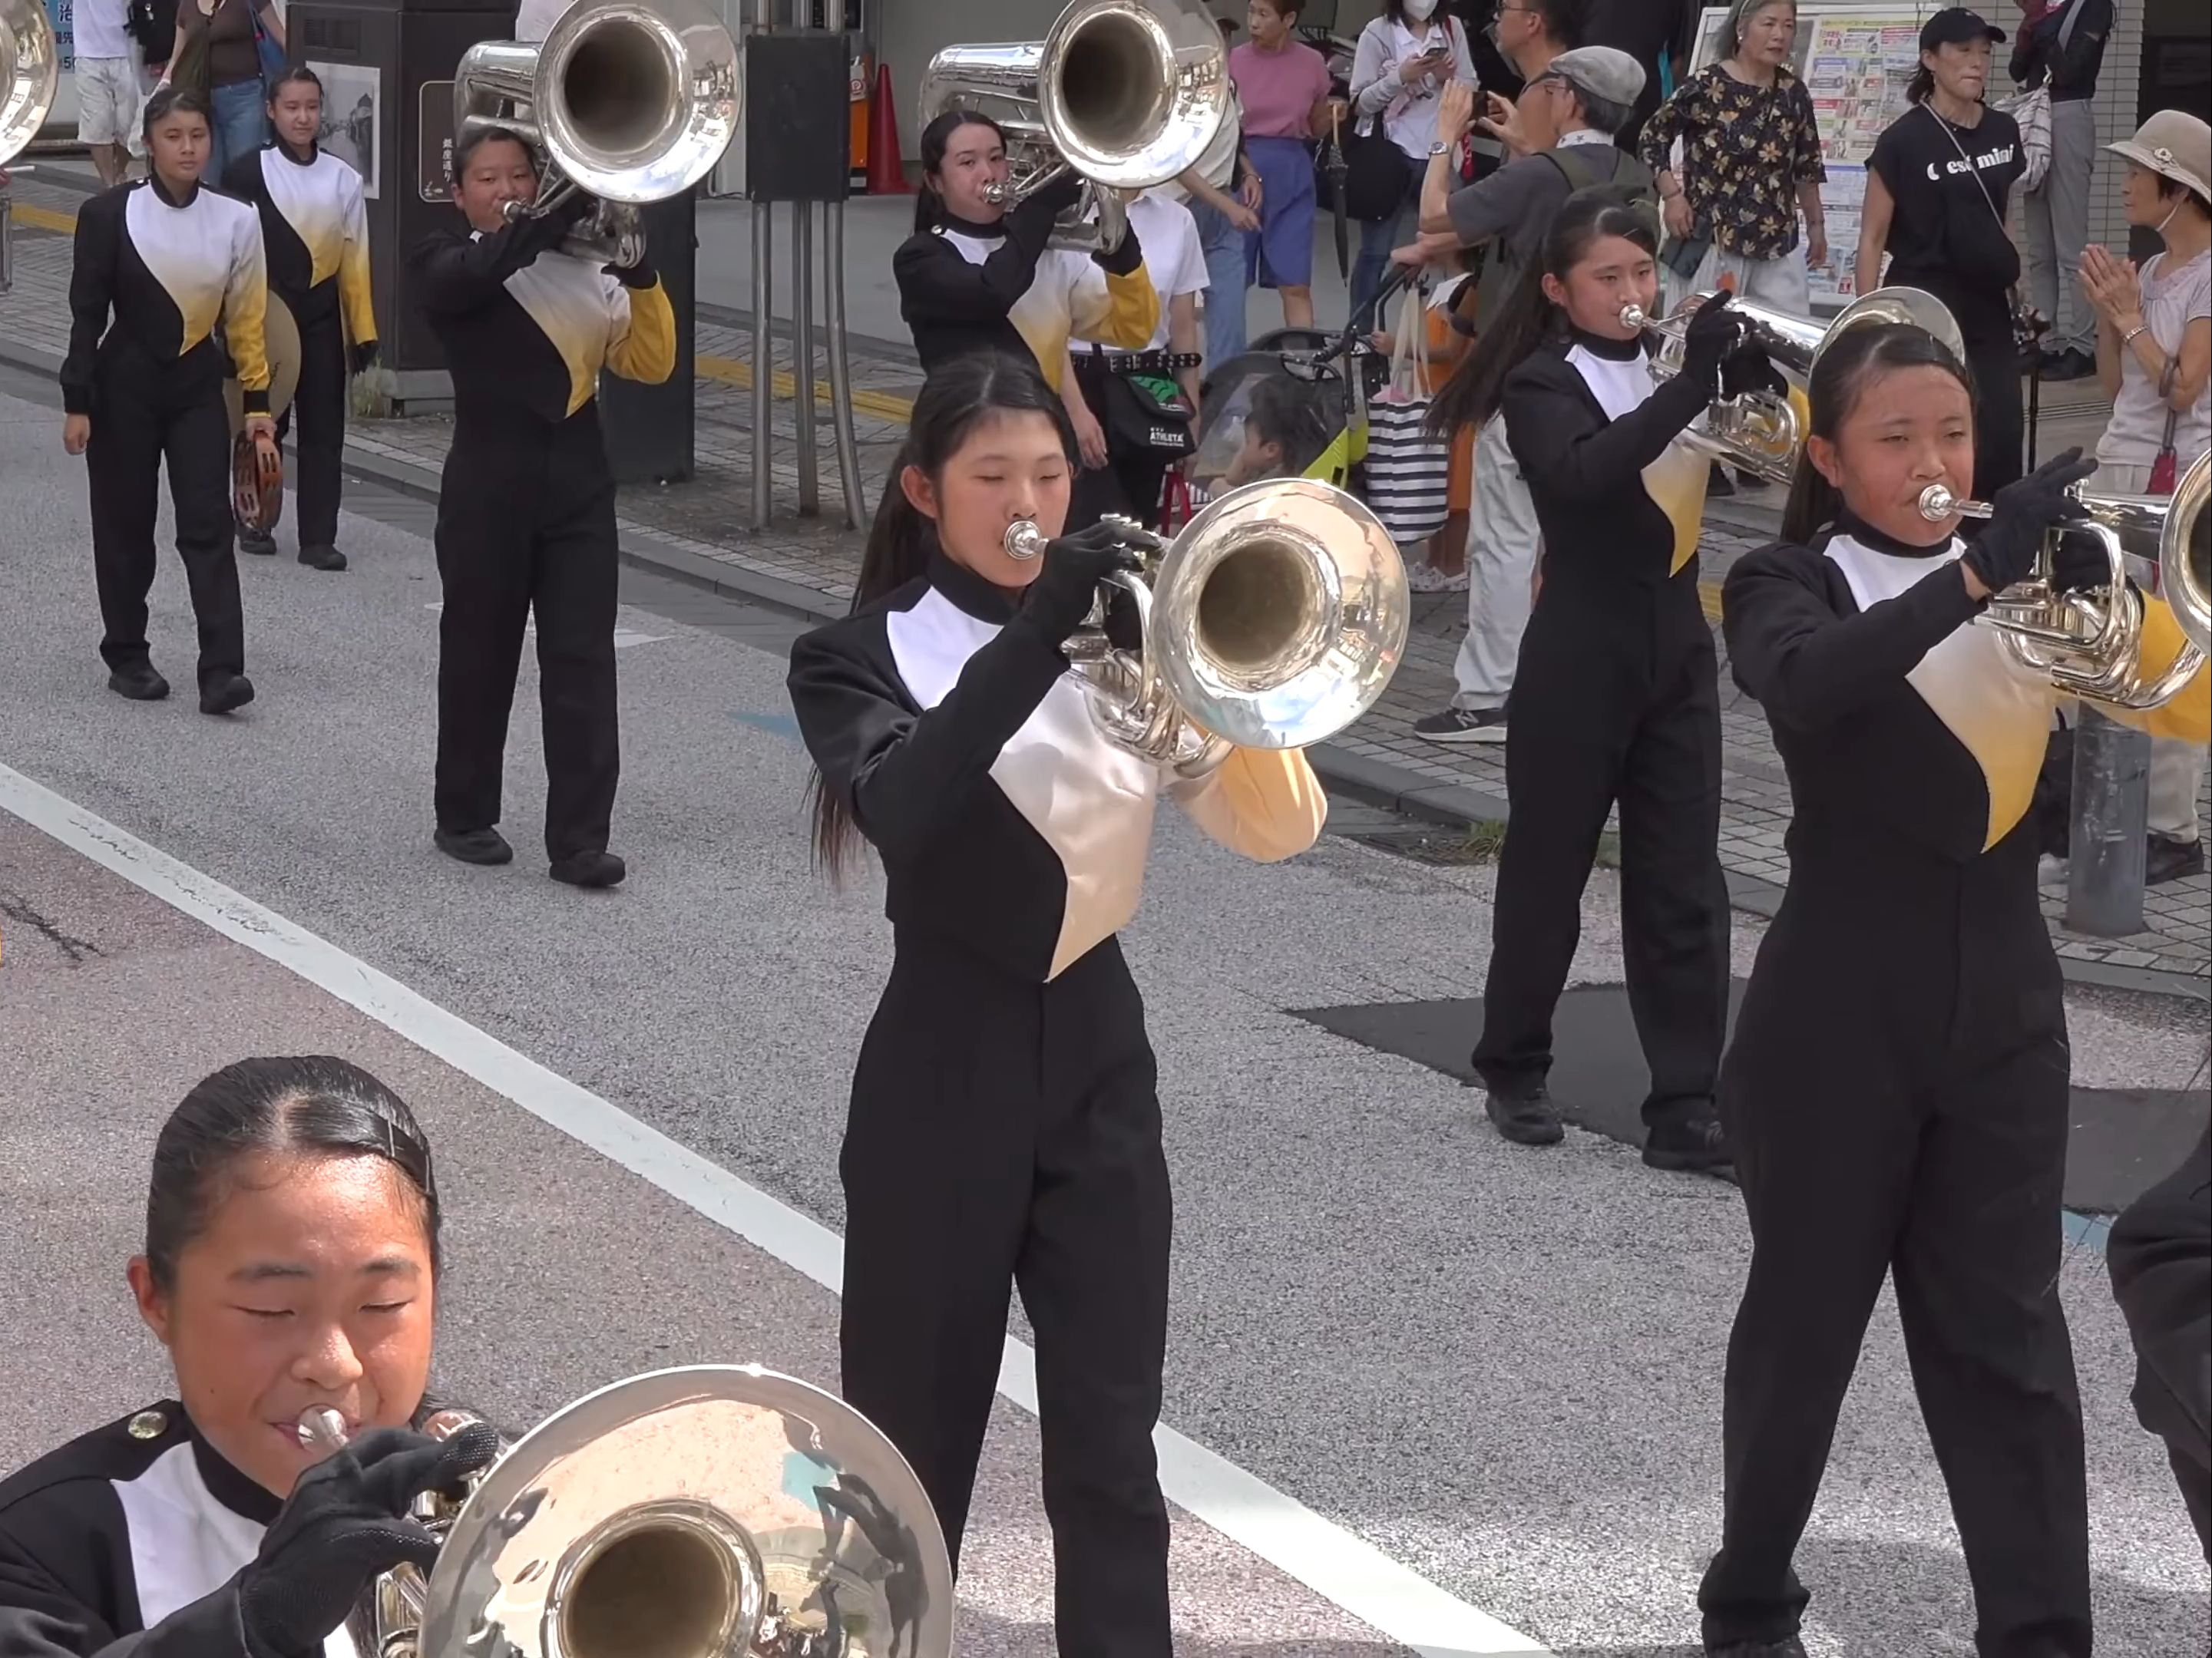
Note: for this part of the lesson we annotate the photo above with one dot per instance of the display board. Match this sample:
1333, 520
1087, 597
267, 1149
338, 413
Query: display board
1855, 62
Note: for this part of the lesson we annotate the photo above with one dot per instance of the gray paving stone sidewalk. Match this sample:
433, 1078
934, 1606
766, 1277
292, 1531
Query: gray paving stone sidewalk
707, 518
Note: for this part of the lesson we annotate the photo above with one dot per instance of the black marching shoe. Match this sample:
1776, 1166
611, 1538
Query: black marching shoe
1788, 1647
322, 557
139, 681
481, 846
1696, 1145
589, 869
259, 542
225, 693
1523, 1114
2165, 860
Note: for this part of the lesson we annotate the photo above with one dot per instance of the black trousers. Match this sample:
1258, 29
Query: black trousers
142, 418
2000, 419
521, 533
1894, 1113
1604, 711
1007, 1133
2160, 1260
320, 404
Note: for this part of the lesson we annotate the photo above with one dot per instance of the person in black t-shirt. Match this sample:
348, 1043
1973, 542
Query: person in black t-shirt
1935, 191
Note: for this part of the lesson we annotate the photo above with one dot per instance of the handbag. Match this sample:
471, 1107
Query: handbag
265, 47
2024, 331
1378, 175
1408, 470
2164, 469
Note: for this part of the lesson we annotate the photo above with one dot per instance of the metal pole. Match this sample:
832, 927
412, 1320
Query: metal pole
2108, 840
840, 368
763, 361
802, 354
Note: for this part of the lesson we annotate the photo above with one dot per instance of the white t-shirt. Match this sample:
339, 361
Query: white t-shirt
98, 32
2172, 300
1174, 258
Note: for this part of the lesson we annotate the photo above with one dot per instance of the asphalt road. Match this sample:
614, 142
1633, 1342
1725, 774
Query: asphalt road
1500, 1368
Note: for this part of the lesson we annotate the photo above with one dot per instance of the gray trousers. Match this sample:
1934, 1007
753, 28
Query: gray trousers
2177, 768
2057, 212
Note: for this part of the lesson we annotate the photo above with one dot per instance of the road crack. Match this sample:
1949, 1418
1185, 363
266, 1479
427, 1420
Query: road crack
14, 906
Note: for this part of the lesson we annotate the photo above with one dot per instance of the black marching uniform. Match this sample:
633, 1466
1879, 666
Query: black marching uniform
1616, 698
1004, 1124
166, 271
127, 1542
1896, 1093
315, 227
526, 510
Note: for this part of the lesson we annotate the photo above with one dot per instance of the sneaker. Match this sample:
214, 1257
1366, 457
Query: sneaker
225, 693
1524, 1113
1463, 726
1425, 578
589, 869
259, 542
2172, 860
141, 682
1694, 1146
479, 846
322, 558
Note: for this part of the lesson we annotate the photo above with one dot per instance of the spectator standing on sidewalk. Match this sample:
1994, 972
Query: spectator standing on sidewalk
109, 91
1528, 34
2154, 363
2060, 49
1570, 112
1656, 34
1285, 86
1406, 59
227, 67
1936, 191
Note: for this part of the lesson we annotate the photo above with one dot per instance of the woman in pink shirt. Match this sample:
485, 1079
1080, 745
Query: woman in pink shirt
1285, 86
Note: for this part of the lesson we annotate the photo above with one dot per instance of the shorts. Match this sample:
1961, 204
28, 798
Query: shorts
108, 101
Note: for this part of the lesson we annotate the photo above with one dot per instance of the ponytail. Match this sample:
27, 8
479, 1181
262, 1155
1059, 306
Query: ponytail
936, 138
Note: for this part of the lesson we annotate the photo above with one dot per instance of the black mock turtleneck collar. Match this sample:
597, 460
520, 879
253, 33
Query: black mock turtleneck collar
970, 593
950, 221
162, 191
246, 1497
293, 157
1611, 350
1848, 523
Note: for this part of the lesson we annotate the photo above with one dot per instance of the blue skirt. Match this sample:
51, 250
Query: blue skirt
1280, 254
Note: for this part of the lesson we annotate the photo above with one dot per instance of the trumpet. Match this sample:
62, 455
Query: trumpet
711, 1511
2090, 642
1275, 619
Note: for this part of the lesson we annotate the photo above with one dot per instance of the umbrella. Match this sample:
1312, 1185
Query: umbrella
1334, 165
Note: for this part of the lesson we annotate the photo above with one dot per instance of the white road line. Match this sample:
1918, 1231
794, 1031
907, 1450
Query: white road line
1282, 1531
624, 637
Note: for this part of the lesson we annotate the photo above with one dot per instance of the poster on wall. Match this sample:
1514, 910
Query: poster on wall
1854, 62
434, 142
353, 117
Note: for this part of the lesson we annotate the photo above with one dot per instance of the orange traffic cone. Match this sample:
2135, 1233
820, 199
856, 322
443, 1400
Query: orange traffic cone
886, 175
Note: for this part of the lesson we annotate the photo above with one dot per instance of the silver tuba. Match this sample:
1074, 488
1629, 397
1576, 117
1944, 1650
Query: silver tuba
1275, 619
2090, 643
30, 74
625, 102
1758, 431
1127, 93
711, 1511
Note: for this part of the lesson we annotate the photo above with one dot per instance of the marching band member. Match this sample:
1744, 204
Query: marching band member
316, 230
1897, 1090
526, 510
291, 1262
976, 276
1005, 1128
1616, 697
165, 261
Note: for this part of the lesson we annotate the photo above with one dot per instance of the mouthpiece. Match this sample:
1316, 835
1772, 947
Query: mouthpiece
1631, 316
322, 1430
1938, 503
1023, 541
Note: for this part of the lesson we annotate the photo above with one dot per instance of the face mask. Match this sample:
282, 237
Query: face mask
2168, 219
1421, 10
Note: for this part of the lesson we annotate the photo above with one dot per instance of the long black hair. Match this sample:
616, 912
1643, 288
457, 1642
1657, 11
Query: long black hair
294, 75
1839, 379
1528, 318
960, 395
936, 138
308, 1105
175, 100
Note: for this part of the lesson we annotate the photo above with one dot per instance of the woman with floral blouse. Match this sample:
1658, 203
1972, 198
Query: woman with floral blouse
1751, 162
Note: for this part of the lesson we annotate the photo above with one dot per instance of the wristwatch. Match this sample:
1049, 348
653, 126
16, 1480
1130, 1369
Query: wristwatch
1439, 147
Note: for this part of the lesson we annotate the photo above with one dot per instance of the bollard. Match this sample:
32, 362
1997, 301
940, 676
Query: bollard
2107, 841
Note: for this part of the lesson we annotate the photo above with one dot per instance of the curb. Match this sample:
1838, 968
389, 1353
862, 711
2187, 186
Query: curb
1360, 777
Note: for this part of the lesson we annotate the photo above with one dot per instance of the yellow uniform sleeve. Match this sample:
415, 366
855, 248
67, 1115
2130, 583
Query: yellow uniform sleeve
1263, 804
2187, 717
643, 347
353, 272
244, 307
1119, 310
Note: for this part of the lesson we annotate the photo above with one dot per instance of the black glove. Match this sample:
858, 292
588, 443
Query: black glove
1062, 193
1713, 331
2079, 562
362, 358
344, 1525
1749, 368
2005, 550
1056, 603
640, 275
